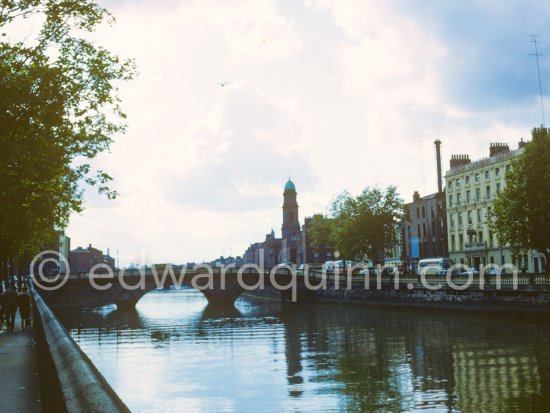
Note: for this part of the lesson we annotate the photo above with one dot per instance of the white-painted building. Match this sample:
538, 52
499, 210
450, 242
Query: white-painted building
471, 188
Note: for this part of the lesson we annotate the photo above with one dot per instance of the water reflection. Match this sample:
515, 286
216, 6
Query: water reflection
175, 353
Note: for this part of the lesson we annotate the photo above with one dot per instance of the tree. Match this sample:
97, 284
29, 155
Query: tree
58, 110
319, 230
361, 226
521, 213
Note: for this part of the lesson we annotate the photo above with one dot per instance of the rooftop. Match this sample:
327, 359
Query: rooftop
484, 162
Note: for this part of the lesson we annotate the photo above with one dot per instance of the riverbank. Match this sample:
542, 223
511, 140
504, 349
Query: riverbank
19, 384
525, 301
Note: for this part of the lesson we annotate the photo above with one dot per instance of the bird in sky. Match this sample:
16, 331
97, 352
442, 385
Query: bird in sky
223, 84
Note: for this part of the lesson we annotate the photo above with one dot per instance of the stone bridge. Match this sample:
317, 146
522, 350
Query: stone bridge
221, 287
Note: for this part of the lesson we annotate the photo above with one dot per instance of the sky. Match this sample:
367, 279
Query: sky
336, 95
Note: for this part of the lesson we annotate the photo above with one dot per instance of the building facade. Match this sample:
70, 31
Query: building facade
425, 229
83, 259
313, 254
471, 188
54, 256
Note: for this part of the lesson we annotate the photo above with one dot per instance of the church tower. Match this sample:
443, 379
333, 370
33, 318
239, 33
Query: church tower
291, 224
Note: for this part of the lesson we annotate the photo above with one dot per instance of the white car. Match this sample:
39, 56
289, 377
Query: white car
470, 270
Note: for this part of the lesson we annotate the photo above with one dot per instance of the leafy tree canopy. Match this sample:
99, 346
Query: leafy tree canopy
521, 213
58, 109
361, 226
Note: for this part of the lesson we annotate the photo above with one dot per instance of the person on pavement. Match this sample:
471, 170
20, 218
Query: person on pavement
24, 304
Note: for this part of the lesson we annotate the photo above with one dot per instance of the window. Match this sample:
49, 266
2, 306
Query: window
432, 211
459, 199
460, 241
488, 192
479, 216
460, 219
467, 179
480, 237
478, 194
417, 213
423, 212
453, 246
452, 218
508, 167
450, 185
490, 239
488, 212
497, 171
418, 234
424, 229
451, 200
476, 178
487, 174
468, 197
458, 183
498, 188
470, 217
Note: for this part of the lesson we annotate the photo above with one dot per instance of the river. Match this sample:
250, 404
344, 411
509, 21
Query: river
175, 354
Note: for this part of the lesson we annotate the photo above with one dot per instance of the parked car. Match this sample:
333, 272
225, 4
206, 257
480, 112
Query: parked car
340, 265
329, 267
470, 270
388, 271
370, 270
434, 266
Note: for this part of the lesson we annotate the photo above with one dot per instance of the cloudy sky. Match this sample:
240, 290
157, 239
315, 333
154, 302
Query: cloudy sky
335, 94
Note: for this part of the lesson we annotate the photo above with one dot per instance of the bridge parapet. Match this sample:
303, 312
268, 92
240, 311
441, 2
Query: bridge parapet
221, 286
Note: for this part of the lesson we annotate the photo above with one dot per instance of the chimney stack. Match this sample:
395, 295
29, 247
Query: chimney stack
437, 143
459, 160
496, 147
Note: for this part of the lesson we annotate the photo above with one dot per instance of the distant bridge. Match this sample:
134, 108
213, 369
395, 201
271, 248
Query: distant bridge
220, 286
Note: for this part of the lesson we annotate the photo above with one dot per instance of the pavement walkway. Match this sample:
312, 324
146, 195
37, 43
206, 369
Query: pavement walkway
19, 383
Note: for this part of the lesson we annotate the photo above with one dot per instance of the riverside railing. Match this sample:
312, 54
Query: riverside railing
69, 381
488, 281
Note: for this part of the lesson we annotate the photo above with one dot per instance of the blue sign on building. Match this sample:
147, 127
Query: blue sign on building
414, 248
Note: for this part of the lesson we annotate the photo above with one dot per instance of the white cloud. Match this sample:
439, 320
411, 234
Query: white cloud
336, 94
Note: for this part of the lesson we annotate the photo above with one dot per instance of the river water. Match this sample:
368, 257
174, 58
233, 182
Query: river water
176, 354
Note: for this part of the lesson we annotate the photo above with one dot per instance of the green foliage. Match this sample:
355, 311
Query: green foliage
361, 226
58, 110
319, 230
521, 213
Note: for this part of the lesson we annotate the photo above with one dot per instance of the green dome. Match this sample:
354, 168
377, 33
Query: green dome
289, 186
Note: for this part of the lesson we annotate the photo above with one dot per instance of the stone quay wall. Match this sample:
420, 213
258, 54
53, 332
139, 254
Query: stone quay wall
69, 380
523, 300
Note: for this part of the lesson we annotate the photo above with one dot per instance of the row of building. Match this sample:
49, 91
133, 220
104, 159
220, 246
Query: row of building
452, 222
56, 257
